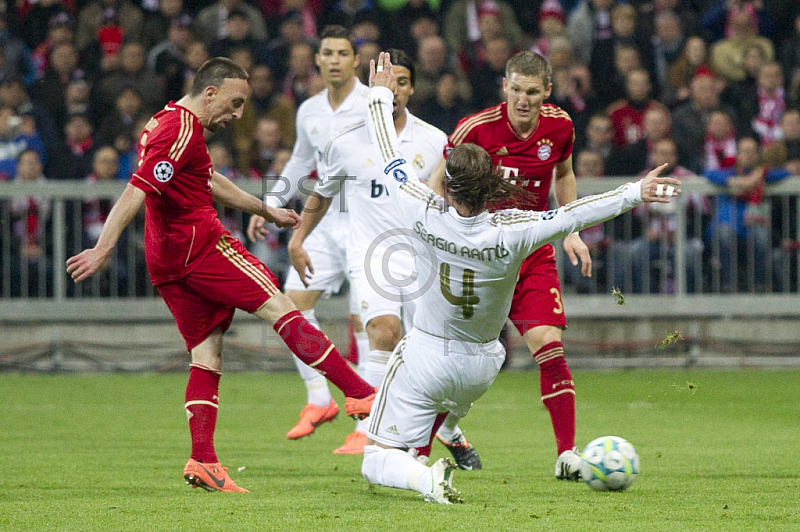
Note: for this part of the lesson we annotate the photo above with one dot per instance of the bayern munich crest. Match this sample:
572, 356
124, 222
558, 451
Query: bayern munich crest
163, 171
544, 152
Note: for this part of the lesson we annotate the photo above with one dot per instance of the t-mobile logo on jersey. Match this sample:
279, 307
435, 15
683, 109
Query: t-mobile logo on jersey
510, 174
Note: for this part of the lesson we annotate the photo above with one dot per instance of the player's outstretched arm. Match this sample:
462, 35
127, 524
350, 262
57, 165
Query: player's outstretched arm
566, 191
314, 210
85, 264
226, 192
657, 189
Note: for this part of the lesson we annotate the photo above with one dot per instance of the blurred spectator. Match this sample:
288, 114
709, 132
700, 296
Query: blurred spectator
433, 60
786, 152
720, 141
267, 142
561, 52
589, 24
727, 55
16, 56
487, 81
690, 119
75, 158
589, 164
552, 24
290, 32
31, 261
18, 134
790, 59
127, 146
299, 80
462, 28
157, 23
599, 133
653, 255
77, 100
131, 73
239, 34
196, 55
267, 101
719, 17
168, 57
211, 22
310, 11
764, 113
98, 15
60, 30
634, 158
36, 19
490, 23
128, 107
62, 69
739, 229
366, 50
687, 11
692, 61
413, 21
627, 115
447, 108
742, 95
573, 92
14, 95
105, 165
668, 43
348, 13
623, 33
610, 85
222, 160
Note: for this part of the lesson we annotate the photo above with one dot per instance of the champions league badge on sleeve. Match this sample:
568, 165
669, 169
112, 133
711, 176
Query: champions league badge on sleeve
400, 176
392, 165
549, 215
163, 171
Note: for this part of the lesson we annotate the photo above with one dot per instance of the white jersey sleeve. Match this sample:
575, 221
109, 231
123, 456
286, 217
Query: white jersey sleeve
302, 162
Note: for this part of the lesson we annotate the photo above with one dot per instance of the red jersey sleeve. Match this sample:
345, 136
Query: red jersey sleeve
166, 144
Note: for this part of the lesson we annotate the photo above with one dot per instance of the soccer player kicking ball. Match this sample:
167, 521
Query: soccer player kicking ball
452, 355
201, 271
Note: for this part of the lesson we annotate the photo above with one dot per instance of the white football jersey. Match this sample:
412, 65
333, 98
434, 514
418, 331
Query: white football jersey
316, 122
469, 266
351, 169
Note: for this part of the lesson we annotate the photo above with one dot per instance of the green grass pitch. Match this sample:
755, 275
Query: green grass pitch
105, 452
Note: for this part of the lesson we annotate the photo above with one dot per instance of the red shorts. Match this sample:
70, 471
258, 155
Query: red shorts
537, 296
229, 277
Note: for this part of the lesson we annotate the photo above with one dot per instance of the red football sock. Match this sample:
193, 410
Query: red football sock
201, 408
426, 451
311, 346
558, 393
352, 352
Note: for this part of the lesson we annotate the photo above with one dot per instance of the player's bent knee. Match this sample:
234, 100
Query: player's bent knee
384, 332
538, 337
276, 307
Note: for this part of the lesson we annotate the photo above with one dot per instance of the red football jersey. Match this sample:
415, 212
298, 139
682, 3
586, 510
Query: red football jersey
181, 224
530, 162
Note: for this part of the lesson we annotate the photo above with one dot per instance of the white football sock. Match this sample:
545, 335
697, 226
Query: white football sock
449, 428
395, 469
376, 366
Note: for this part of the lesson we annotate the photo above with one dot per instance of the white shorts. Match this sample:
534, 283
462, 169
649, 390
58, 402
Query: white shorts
388, 289
327, 250
427, 375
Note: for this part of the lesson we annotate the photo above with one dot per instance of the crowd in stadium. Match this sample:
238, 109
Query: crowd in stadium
710, 86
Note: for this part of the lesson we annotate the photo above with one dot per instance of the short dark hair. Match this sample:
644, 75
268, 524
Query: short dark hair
401, 58
334, 31
529, 63
213, 72
472, 180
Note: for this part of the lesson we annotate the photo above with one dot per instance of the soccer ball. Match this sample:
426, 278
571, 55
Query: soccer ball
609, 464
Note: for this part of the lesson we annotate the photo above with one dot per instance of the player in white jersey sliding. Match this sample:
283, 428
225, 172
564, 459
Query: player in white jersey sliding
342, 103
452, 354
351, 171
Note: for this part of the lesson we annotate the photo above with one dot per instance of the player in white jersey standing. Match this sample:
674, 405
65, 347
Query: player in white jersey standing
452, 354
342, 103
379, 261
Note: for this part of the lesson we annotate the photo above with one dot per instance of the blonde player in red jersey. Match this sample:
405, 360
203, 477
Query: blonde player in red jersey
531, 142
202, 272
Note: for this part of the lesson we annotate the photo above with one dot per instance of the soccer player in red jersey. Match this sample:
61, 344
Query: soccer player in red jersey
202, 272
531, 142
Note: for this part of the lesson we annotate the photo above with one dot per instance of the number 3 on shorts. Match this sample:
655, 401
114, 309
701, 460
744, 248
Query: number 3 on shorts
559, 308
